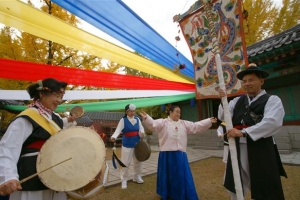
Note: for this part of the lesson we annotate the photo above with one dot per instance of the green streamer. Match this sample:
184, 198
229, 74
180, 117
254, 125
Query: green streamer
113, 105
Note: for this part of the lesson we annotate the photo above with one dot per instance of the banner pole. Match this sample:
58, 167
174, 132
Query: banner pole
227, 116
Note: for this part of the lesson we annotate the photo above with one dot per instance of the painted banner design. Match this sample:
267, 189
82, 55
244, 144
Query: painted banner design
227, 20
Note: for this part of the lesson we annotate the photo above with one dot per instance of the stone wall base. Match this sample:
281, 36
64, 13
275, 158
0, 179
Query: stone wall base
287, 139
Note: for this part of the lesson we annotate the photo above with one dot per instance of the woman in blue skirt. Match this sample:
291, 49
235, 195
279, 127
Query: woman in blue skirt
4, 197
174, 177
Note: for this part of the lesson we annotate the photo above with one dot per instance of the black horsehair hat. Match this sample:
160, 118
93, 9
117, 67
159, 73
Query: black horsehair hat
252, 69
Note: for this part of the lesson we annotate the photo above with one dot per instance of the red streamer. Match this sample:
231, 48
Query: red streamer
20, 70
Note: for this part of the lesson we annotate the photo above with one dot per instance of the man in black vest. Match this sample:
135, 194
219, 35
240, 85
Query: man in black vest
256, 117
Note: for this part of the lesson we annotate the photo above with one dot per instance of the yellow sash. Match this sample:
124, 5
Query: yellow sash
39, 119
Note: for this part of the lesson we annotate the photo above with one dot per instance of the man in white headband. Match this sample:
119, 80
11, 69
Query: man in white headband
132, 129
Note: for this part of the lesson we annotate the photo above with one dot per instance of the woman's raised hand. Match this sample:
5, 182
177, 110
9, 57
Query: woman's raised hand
143, 114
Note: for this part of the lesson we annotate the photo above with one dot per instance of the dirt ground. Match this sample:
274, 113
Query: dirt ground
208, 176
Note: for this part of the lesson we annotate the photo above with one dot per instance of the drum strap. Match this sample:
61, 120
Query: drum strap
43, 121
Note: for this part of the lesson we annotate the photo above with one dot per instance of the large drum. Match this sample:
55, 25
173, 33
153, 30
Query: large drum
85, 169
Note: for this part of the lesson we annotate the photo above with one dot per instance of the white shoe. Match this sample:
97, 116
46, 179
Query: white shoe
124, 184
138, 180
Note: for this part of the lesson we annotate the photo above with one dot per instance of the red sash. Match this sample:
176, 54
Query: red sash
131, 134
36, 145
240, 127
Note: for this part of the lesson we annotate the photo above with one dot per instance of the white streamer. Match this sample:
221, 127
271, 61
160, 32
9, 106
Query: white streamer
95, 94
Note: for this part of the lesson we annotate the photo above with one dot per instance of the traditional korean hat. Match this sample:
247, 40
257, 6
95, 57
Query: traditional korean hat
252, 69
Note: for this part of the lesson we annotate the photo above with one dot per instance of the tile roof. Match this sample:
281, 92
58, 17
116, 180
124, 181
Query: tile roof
11, 102
275, 42
89, 117
108, 116
86, 121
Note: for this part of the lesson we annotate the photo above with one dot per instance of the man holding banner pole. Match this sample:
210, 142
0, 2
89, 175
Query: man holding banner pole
214, 32
256, 117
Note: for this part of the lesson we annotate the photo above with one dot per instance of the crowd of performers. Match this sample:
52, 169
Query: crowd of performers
256, 117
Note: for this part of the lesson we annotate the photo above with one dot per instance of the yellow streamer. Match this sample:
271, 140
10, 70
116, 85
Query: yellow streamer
17, 14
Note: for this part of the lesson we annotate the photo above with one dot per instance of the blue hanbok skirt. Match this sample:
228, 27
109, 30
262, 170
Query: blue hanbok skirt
174, 177
4, 197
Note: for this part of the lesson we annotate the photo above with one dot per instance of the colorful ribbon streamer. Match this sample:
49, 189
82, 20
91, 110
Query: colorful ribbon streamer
31, 20
94, 94
20, 70
113, 105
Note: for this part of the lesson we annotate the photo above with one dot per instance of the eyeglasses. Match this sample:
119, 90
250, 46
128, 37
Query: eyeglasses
58, 94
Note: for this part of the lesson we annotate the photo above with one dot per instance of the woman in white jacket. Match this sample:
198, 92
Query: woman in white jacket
24, 138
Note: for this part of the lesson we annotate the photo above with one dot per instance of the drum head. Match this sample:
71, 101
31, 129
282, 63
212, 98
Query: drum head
87, 151
142, 151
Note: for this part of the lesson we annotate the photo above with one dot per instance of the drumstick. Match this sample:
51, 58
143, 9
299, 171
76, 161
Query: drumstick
33, 175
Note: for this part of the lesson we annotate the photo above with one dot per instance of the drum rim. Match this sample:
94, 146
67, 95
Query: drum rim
75, 195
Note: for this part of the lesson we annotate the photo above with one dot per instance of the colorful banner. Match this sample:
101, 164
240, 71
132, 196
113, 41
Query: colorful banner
114, 105
27, 71
94, 94
227, 20
137, 34
26, 18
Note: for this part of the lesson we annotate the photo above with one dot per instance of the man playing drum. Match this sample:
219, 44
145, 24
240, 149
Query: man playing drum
23, 139
132, 130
